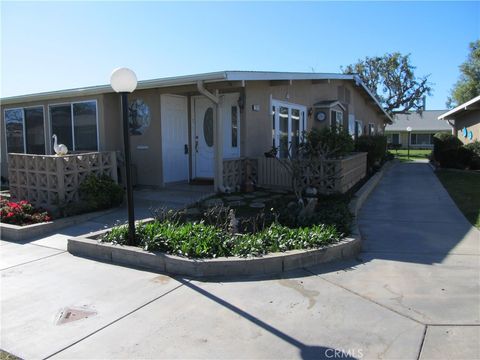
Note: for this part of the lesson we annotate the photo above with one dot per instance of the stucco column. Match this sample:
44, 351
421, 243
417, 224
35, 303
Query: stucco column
218, 145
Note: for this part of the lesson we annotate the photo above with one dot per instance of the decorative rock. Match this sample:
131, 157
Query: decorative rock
279, 191
192, 211
213, 202
257, 205
233, 198
237, 203
260, 193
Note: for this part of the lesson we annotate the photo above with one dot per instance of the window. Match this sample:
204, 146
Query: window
393, 138
358, 128
24, 128
336, 119
75, 125
371, 129
421, 139
234, 126
288, 124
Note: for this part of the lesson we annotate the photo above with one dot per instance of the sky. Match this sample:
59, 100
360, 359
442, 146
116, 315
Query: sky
48, 46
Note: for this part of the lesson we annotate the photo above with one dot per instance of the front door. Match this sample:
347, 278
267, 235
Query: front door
174, 120
204, 118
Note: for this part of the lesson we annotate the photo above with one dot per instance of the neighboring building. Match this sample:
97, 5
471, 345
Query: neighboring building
243, 112
424, 125
466, 120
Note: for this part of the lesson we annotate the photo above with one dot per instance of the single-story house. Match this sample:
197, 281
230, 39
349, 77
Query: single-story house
423, 126
465, 119
185, 126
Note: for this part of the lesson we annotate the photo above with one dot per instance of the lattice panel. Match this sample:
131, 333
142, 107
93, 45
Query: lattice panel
234, 171
48, 181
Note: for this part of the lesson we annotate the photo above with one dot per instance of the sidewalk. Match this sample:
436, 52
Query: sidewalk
413, 293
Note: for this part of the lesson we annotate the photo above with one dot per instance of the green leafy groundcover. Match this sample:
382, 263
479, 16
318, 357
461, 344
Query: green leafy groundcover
199, 240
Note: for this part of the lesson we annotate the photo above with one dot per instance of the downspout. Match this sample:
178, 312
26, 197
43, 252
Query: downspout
218, 138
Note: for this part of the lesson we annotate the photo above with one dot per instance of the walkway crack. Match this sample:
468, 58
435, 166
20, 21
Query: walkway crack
31, 261
422, 343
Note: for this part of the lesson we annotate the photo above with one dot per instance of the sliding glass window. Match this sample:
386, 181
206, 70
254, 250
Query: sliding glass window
24, 128
75, 125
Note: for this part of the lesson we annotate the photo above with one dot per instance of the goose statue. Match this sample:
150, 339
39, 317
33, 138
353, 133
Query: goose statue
60, 149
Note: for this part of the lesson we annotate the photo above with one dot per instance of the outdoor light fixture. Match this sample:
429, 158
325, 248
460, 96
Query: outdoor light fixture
124, 81
409, 130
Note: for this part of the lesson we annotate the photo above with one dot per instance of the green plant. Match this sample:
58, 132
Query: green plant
336, 139
375, 146
449, 152
100, 192
199, 240
474, 149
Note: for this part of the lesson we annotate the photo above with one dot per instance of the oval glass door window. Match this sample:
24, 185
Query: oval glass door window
208, 127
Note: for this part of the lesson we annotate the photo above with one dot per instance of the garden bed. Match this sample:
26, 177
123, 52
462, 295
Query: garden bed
346, 247
18, 233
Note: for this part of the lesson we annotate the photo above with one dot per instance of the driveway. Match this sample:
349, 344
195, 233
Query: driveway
412, 293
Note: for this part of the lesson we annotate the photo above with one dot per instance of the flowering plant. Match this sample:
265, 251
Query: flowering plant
21, 213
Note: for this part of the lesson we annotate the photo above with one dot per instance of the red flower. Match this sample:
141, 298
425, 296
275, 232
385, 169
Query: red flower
10, 214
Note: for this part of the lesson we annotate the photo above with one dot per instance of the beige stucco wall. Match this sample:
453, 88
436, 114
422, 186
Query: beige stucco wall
471, 121
255, 126
258, 124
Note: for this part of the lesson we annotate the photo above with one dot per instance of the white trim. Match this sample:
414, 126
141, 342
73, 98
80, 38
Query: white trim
302, 109
460, 107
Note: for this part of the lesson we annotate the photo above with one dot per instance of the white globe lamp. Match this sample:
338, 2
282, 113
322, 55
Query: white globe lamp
123, 80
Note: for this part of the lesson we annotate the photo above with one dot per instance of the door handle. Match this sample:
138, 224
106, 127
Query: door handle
196, 144
185, 149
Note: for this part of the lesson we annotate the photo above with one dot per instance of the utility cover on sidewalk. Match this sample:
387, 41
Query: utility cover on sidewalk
72, 314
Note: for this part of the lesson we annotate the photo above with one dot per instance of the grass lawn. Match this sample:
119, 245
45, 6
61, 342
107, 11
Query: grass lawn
464, 188
414, 154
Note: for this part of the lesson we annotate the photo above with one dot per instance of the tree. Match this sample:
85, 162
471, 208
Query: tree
468, 85
391, 78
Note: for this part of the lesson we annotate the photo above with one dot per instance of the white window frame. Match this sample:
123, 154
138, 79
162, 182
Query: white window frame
336, 118
372, 130
23, 126
302, 121
72, 120
359, 124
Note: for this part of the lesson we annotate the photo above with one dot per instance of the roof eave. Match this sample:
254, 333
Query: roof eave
459, 108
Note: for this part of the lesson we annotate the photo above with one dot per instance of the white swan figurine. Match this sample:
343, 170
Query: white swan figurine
60, 149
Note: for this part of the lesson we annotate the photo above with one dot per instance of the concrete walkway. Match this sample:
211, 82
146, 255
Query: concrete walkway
412, 294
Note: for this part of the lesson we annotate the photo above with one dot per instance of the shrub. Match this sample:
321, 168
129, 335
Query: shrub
445, 147
100, 192
375, 146
21, 213
338, 141
449, 152
474, 149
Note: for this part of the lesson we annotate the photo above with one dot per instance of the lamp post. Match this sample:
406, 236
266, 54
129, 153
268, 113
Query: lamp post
409, 130
124, 81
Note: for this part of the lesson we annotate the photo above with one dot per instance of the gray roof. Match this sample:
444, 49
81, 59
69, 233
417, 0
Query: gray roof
426, 120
